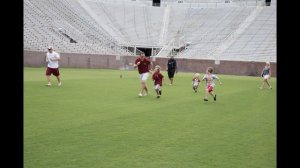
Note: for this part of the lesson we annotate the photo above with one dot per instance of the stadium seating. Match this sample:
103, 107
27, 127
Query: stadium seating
258, 41
236, 30
43, 19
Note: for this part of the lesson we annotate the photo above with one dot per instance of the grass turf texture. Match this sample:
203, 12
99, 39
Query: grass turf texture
96, 119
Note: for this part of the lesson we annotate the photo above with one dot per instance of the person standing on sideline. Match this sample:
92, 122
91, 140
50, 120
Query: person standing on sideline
144, 66
195, 81
157, 77
210, 84
52, 58
266, 74
171, 68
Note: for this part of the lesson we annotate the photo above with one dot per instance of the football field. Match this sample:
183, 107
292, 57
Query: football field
96, 120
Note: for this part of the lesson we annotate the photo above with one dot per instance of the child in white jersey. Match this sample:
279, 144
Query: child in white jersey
195, 81
210, 84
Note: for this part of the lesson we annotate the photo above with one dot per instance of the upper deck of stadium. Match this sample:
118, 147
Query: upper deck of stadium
199, 29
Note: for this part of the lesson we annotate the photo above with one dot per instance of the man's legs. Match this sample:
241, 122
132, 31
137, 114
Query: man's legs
171, 76
48, 74
49, 80
56, 73
144, 77
58, 80
144, 87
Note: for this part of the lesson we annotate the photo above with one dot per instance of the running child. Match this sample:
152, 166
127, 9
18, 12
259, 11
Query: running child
195, 81
210, 84
157, 77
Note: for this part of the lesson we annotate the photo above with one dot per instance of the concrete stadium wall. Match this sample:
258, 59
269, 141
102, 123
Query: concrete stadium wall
72, 60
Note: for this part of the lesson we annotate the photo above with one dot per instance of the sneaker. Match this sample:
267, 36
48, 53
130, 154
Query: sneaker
205, 99
140, 94
59, 84
215, 97
49, 84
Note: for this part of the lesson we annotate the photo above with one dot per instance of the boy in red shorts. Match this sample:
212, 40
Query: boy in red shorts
210, 84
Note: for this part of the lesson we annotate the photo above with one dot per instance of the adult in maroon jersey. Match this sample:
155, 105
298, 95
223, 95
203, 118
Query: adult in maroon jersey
144, 66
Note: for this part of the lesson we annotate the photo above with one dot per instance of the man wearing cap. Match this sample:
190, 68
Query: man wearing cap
52, 59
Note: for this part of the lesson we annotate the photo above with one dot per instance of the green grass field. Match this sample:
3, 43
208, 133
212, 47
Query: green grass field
96, 120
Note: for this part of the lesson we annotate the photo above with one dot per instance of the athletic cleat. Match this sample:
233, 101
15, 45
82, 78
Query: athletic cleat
260, 87
158, 96
140, 94
49, 84
205, 99
59, 84
215, 97
270, 87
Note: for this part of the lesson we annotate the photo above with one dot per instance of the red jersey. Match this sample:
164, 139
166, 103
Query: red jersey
157, 77
144, 65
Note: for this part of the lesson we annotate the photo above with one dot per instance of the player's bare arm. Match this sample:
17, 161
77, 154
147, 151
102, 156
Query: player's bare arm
135, 65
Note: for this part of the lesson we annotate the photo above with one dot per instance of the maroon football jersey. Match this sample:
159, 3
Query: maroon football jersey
144, 66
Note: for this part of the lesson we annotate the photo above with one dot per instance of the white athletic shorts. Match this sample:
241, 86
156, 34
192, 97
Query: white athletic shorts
266, 76
157, 87
144, 76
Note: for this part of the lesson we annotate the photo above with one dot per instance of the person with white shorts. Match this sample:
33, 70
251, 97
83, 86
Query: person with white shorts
266, 74
144, 66
195, 81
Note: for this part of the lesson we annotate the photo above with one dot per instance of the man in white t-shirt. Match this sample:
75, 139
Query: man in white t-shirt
52, 59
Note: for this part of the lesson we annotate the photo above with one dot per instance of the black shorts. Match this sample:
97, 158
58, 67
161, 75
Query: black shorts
171, 73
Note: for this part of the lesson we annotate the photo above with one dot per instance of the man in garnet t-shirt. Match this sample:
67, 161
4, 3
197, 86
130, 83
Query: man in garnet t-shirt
144, 65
